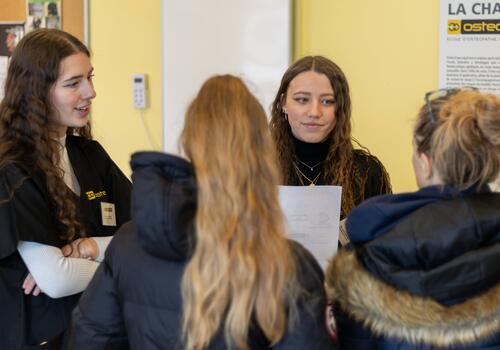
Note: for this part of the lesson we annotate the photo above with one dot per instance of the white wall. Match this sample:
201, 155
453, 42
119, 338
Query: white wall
247, 38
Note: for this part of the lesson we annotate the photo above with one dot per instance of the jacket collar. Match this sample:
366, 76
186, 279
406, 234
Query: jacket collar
390, 312
164, 203
379, 214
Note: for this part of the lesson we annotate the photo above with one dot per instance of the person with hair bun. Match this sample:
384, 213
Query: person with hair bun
206, 263
61, 195
423, 271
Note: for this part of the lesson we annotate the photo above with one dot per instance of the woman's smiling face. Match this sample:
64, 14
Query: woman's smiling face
72, 93
310, 105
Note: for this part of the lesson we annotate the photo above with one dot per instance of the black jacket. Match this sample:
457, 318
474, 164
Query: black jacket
135, 298
27, 214
423, 272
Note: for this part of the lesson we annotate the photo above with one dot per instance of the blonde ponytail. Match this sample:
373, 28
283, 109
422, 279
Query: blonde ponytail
242, 273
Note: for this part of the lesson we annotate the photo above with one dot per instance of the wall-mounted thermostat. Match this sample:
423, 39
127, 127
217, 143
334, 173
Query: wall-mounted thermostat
139, 91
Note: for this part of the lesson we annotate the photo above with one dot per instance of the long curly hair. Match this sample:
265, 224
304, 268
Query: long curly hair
340, 168
28, 135
242, 271
461, 137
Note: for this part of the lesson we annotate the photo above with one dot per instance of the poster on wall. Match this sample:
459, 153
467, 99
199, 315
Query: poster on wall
43, 14
10, 34
469, 47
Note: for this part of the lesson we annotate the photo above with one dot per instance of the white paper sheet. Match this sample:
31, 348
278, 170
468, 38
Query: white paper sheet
312, 214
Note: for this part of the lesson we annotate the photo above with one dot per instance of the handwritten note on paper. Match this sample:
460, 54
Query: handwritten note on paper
312, 215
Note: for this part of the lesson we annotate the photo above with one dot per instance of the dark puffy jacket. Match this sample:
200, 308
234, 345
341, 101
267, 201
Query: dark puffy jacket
135, 299
423, 272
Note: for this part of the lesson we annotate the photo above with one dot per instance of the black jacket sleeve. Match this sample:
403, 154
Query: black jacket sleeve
377, 179
97, 320
25, 213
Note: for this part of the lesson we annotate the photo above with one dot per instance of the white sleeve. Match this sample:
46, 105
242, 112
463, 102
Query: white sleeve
56, 275
102, 244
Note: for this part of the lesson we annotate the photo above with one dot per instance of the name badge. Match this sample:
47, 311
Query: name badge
108, 214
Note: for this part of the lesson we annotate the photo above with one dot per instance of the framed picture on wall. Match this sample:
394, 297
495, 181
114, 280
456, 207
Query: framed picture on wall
43, 14
10, 34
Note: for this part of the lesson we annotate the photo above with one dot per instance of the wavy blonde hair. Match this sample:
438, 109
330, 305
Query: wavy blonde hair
241, 273
464, 140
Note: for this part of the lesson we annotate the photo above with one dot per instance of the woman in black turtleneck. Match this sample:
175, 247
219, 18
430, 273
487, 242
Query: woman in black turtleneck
311, 127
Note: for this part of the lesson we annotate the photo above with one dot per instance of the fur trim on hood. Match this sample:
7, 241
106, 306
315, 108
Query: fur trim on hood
394, 313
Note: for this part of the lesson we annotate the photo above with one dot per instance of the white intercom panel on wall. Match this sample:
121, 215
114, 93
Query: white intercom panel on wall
139, 93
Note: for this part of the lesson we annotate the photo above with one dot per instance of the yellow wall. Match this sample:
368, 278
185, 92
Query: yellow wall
388, 50
125, 38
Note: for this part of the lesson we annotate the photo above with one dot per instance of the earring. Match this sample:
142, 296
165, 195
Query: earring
285, 114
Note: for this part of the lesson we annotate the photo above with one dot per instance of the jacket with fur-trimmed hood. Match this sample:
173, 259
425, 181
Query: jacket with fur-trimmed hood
422, 272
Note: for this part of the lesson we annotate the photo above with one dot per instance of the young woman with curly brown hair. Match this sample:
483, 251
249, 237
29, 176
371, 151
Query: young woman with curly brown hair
311, 128
61, 196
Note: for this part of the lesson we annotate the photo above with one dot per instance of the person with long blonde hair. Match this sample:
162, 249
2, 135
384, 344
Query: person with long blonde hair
423, 272
206, 264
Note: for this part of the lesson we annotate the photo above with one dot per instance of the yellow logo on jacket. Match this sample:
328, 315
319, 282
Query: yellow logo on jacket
93, 195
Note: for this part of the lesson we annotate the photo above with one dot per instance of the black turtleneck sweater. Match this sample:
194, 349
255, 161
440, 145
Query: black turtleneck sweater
311, 158
311, 163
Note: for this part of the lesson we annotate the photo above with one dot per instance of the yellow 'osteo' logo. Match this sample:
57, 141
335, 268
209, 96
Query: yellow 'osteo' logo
454, 26
93, 195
